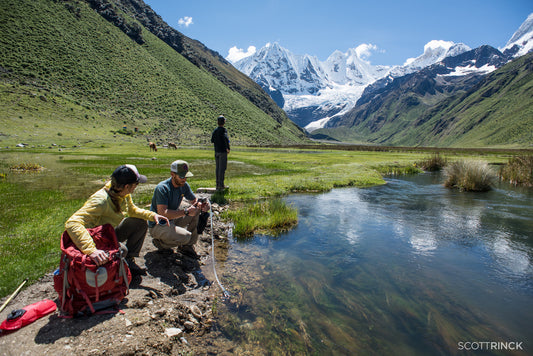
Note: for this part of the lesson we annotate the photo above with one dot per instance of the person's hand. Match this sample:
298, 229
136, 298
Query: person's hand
160, 218
205, 206
193, 210
99, 257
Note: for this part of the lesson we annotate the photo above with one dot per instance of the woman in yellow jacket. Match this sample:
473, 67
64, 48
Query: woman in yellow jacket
107, 206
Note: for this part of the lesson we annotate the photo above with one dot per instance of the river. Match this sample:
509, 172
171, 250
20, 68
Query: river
407, 268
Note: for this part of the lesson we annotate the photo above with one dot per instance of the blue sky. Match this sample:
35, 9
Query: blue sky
397, 29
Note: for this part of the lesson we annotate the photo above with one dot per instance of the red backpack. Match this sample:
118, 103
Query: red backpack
85, 288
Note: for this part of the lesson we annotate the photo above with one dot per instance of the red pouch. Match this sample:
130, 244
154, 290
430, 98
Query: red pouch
27, 315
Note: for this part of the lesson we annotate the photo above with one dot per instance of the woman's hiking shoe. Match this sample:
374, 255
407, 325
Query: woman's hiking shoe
135, 269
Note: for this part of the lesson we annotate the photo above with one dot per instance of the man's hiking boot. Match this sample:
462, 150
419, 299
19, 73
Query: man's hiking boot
135, 269
160, 249
189, 251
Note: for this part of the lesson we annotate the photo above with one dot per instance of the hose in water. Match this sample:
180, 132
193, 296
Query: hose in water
224, 291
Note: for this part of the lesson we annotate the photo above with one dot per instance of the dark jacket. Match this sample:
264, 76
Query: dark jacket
220, 139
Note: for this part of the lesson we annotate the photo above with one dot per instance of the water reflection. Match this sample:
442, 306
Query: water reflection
405, 268
509, 256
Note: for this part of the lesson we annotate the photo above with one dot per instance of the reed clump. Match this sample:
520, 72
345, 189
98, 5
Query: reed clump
434, 163
469, 175
518, 171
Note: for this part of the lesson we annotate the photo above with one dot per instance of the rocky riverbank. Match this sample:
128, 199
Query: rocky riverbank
169, 311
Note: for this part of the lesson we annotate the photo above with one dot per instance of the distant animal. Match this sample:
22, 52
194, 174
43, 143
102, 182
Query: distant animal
172, 145
153, 147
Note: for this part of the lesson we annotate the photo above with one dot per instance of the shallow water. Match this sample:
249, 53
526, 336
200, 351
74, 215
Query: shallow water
408, 268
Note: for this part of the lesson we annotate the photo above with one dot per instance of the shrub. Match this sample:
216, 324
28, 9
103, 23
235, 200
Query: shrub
518, 171
467, 175
434, 163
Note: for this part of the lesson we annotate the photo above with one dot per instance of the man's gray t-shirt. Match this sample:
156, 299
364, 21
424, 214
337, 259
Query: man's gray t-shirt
166, 194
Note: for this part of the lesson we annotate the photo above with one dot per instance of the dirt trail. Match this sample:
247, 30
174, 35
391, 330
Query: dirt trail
178, 292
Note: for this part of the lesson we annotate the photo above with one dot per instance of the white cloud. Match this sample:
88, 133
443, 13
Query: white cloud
185, 21
365, 50
235, 54
435, 44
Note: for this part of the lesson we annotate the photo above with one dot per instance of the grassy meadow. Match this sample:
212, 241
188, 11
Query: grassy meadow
36, 203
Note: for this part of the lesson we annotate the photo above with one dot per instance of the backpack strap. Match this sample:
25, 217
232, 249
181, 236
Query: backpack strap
122, 271
96, 287
82, 292
66, 286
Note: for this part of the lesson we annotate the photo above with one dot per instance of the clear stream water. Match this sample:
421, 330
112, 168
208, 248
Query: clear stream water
407, 268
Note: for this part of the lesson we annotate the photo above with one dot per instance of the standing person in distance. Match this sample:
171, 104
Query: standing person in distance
107, 206
221, 142
182, 230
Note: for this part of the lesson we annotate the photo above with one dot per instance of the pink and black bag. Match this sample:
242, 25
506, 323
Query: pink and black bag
85, 288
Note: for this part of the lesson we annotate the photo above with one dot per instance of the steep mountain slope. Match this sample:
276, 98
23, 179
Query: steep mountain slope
200, 55
497, 112
70, 73
434, 107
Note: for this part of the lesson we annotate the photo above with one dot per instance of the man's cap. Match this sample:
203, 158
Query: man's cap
221, 119
181, 168
128, 174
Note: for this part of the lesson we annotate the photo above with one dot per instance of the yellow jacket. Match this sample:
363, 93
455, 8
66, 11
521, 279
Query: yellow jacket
99, 210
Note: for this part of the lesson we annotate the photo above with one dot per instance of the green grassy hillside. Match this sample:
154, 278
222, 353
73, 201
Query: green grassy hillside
498, 112
69, 76
196, 53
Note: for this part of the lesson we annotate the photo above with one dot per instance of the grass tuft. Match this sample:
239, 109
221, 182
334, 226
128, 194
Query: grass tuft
469, 175
434, 163
518, 171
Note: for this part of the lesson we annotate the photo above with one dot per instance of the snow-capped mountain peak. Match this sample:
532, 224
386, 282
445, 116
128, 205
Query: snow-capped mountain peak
522, 40
351, 68
434, 52
304, 81
276, 67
